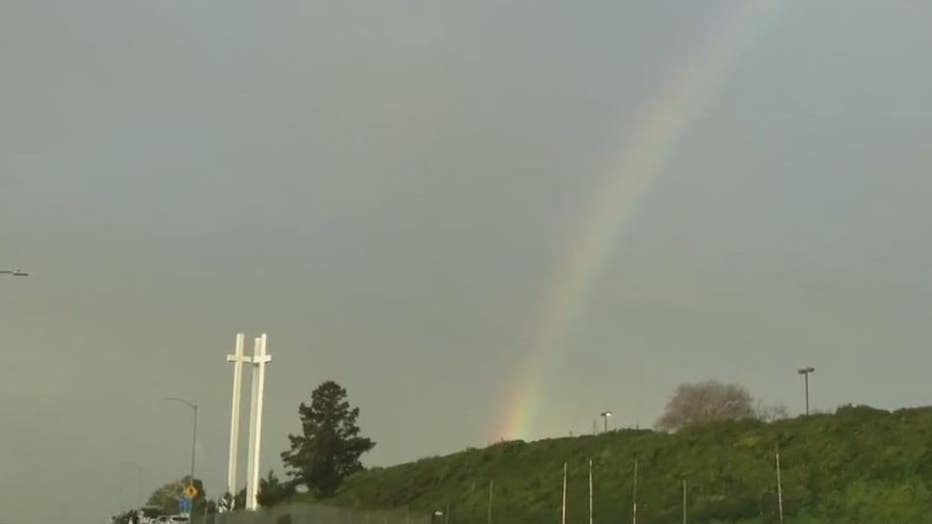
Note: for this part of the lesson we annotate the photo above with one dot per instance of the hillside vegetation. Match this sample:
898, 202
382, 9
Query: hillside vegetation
859, 465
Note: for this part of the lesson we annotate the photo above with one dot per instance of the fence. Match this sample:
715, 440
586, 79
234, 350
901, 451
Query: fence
317, 514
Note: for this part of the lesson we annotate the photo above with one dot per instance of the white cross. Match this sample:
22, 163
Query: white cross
238, 359
260, 358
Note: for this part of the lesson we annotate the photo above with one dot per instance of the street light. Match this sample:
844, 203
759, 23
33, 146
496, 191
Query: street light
14, 272
605, 415
805, 373
193, 406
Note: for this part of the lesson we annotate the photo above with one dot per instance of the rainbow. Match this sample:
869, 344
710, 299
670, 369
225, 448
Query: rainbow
639, 162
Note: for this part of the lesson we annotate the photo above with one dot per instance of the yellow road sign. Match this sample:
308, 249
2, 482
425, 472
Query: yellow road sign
190, 492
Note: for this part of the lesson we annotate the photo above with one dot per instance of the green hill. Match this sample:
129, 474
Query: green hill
860, 465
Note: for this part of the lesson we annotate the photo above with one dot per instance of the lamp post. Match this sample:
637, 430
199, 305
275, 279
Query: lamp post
805, 373
605, 415
14, 272
140, 498
193, 406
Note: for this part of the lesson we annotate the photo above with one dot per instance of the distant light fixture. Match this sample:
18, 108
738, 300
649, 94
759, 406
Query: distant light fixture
805, 373
605, 415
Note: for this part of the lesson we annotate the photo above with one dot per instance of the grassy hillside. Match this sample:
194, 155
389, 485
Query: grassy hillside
859, 465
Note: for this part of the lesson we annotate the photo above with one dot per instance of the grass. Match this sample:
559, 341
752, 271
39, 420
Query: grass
859, 465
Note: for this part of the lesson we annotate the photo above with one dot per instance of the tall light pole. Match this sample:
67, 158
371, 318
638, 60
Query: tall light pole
14, 272
141, 495
140, 498
605, 415
193, 406
805, 373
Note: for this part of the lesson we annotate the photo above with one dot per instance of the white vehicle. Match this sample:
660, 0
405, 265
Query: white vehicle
178, 519
149, 514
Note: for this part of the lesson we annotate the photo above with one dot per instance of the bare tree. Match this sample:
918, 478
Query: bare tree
770, 412
704, 402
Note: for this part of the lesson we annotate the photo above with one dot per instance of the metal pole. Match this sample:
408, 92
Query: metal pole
634, 506
491, 485
806, 375
563, 520
194, 445
684, 501
193, 407
142, 500
590, 491
779, 487
605, 415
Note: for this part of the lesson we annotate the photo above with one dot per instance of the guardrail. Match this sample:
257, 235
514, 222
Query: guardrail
318, 514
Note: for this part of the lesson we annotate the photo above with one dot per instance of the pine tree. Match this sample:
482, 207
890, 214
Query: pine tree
272, 491
330, 445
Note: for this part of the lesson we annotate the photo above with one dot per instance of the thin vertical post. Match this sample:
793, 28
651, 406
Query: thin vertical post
634, 504
590, 491
140, 494
779, 486
684, 501
491, 486
805, 373
563, 519
193, 450
806, 376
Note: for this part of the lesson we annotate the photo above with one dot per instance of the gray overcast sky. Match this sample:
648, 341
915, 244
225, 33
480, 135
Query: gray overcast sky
385, 188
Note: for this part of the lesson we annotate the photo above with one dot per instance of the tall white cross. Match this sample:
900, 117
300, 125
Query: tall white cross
237, 358
260, 358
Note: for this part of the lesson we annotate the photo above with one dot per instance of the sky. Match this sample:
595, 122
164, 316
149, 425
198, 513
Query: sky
387, 189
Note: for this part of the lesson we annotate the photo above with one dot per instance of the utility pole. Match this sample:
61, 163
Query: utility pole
805, 373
